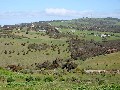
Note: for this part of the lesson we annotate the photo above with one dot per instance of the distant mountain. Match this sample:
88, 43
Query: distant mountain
93, 24
96, 24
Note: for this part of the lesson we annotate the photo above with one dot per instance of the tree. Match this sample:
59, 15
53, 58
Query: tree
104, 39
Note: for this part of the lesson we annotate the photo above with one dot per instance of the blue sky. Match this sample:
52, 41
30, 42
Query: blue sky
18, 11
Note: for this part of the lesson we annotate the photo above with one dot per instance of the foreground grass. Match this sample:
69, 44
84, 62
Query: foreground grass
71, 81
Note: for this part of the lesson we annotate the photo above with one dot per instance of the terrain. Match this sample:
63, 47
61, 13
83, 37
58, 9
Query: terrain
55, 55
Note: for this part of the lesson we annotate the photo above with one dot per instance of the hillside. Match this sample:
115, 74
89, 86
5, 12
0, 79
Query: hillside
110, 61
54, 55
91, 24
48, 80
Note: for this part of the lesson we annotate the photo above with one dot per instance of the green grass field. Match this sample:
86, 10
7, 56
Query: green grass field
109, 61
87, 34
31, 57
48, 80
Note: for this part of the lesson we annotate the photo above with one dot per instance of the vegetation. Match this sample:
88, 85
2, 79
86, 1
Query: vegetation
61, 55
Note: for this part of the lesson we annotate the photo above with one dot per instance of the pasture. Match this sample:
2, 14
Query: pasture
22, 55
14, 51
94, 35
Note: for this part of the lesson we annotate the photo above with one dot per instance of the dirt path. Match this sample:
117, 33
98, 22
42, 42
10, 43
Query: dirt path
103, 71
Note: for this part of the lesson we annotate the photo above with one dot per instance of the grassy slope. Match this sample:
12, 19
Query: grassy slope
87, 35
41, 56
110, 61
57, 83
31, 57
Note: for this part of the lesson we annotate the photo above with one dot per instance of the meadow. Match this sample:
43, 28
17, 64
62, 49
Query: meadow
15, 51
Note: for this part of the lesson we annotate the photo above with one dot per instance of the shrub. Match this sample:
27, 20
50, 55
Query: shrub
48, 79
74, 79
100, 82
69, 66
37, 79
62, 79
27, 32
29, 78
10, 79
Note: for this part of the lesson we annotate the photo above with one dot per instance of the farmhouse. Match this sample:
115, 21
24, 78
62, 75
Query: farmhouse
42, 30
32, 26
72, 30
105, 35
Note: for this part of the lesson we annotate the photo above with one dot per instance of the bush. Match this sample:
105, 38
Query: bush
27, 32
30, 78
62, 79
10, 79
37, 79
100, 82
48, 79
109, 87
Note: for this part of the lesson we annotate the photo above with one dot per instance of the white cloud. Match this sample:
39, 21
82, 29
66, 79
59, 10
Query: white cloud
56, 12
62, 12
59, 11
13, 17
19, 14
51, 14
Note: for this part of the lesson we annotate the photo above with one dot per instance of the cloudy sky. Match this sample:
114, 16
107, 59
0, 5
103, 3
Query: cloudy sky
18, 11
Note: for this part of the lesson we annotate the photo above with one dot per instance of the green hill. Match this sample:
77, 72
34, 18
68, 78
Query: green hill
94, 24
110, 61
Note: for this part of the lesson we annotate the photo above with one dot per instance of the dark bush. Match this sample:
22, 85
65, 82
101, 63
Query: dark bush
29, 78
37, 79
48, 79
69, 66
10, 79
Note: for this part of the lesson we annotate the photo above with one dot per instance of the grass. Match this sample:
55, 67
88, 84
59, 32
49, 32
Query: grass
41, 56
110, 61
68, 81
85, 34
63, 80
31, 57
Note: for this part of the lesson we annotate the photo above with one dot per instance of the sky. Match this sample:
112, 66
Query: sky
21, 11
